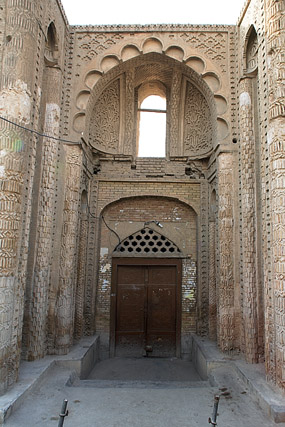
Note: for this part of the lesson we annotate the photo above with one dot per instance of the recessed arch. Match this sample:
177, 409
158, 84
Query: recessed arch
145, 69
154, 222
136, 196
51, 46
250, 51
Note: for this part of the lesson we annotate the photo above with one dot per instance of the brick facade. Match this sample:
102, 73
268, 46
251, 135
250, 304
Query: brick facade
218, 192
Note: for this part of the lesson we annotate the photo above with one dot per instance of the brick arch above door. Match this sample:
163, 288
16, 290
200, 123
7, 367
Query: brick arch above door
129, 216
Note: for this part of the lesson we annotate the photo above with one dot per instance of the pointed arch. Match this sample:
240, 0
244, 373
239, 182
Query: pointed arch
51, 47
250, 51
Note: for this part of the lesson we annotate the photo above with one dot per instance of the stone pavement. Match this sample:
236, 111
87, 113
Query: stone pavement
140, 393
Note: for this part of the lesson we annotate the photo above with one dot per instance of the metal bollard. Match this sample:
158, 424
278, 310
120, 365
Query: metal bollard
63, 414
213, 421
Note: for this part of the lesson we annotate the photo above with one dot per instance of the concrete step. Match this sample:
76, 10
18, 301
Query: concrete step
138, 384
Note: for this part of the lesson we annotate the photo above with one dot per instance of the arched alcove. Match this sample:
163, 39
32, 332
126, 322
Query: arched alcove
51, 47
112, 124
156, 236
250, 58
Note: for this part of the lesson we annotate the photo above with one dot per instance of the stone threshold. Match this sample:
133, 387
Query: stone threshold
139, 384
206, 357
80, 359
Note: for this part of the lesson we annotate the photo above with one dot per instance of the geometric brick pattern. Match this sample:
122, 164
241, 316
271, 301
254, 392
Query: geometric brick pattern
147, 242
275, 11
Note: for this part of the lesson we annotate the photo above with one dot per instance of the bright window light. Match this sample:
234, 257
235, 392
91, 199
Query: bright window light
152, 127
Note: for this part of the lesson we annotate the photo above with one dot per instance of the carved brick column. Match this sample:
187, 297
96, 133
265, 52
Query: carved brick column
248, 212
79, 321
212, 281
36, 317
275, 351
130, 114
225, 274
175, 96
65, 305
92, 261
17, 84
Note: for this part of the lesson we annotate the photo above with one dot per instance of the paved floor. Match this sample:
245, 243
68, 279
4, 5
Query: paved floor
140, 393
144, 369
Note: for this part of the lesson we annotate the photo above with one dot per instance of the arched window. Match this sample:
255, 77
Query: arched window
151, 135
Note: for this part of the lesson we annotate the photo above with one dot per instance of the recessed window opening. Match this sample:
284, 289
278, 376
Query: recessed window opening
152, 127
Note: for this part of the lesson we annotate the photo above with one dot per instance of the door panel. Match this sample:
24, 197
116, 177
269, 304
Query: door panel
161, 320
162, 275
130, 313
146, 308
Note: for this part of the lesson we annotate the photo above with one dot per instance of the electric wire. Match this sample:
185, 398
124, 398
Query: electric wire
66, 141
113, 231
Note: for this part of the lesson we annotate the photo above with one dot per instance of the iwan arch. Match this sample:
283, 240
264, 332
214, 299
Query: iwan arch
142, 251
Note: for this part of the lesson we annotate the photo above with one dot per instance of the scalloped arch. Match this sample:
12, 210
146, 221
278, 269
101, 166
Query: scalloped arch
221, 104
109, 62
175, 52
152, 44
212, 81
223, 128
79, 122
196, 63
129, 51
165, 64
82, 99
92, 78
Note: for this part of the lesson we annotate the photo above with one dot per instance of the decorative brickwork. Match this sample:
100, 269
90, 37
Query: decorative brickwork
197, 123
212, 267
276, 139
65, 301
218, 192
105, 126
248, 207
225, 285
16, 105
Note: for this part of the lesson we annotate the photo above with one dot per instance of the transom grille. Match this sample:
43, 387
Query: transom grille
147, 242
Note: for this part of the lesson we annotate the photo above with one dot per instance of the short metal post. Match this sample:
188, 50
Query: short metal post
63, 414
213, 421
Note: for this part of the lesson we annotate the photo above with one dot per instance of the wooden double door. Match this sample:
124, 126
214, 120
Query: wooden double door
146, 307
